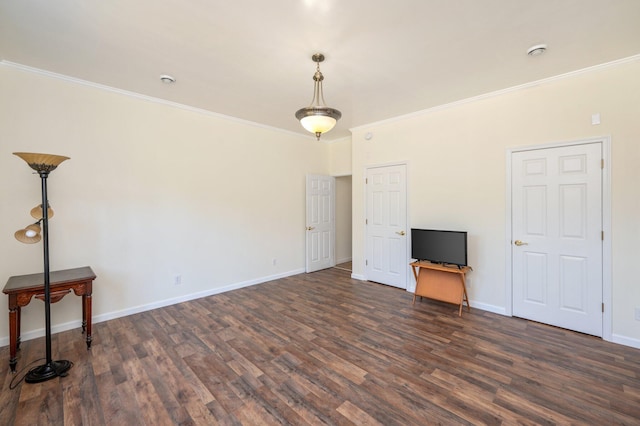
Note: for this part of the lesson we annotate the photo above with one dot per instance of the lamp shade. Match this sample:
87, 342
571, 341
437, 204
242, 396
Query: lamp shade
36, 212
29, 235
41, 162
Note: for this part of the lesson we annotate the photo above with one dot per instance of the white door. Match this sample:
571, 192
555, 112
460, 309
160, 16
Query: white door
386, 225
557, 236
321, 222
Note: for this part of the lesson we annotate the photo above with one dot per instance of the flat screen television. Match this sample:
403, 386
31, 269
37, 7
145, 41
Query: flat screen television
437, 246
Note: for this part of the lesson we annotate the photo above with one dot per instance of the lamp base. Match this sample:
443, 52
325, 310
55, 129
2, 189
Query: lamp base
48, 371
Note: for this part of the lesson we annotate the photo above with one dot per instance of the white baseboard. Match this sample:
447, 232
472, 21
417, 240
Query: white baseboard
345, 260
616, 338
34, 334
500, 310
626, 341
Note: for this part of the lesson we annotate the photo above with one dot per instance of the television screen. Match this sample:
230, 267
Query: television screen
446, 247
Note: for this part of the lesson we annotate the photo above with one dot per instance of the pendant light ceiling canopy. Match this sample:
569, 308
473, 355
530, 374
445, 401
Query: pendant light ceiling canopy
318, 118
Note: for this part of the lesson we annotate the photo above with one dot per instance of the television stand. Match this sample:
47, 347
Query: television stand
443, 283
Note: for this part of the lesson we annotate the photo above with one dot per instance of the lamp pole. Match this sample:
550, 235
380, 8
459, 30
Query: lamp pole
45, 252
44, 164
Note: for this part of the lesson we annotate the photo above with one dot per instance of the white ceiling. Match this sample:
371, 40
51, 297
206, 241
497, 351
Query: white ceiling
251, 59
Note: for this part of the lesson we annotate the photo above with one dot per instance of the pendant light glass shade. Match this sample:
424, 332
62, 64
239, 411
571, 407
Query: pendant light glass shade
318, 123
318, 118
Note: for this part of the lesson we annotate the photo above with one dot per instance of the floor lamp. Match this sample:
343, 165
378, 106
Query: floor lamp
43, 164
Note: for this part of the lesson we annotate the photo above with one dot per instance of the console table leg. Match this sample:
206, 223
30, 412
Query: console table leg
13, 338
84, 313
86, 318
18, 320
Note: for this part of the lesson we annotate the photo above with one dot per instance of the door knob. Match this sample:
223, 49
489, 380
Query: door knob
310, 228
400, 233
520, 243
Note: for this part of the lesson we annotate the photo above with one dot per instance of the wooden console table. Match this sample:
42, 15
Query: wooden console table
22, 288
444, 283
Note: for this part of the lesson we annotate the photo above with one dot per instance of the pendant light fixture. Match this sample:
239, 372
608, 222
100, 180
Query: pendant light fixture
317, 117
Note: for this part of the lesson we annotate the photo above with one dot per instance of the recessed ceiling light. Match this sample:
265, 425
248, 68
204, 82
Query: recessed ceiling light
537, 50
167, 79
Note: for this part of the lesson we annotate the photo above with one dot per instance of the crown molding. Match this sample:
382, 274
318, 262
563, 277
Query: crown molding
500, 92
142, 97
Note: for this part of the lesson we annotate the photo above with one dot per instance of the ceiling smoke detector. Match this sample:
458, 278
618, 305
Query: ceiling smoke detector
167, 79
537, 50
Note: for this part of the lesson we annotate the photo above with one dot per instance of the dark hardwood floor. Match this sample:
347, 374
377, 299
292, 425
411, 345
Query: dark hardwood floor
347, 266
324, 349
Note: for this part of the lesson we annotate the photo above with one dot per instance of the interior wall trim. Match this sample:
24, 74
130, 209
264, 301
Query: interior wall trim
497, 93
146, 98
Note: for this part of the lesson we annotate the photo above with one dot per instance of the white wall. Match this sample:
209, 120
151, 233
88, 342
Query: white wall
340, 165
340, 157
151, 191
343, 219
457, 171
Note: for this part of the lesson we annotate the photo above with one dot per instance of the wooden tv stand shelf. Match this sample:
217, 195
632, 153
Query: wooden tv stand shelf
438, 282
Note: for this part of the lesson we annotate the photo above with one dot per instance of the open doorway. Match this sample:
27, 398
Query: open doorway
343, 238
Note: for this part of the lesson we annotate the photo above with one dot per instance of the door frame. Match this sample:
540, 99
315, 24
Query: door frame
409, 284
606, 227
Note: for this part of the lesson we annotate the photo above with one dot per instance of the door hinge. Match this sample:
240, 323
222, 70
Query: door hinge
366, 181
603, 307
366, 263
602, 163
602, 235
366, 221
